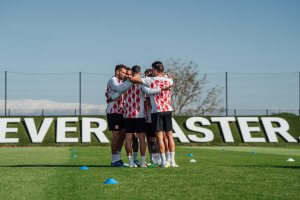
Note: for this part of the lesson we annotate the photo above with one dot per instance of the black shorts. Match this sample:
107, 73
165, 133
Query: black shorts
162, 121
149, 130
115, 122
135, 125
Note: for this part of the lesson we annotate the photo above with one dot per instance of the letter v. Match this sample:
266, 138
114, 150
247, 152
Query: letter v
35, 136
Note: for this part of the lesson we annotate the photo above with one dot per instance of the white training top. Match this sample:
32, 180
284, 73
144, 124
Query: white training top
160, 102
116, 85
134, 98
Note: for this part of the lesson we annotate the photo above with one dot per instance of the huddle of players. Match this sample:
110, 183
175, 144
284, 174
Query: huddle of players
139, 107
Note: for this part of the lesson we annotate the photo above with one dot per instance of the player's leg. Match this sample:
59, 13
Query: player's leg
155, 157
128, 148
166, 141
171, 141
171, 147
155, 151
157, 125
149, 140
114, 128
128, 145
143, 146
150, 148
114, 148
168, 127
135, 148
152, 144
129, 128
161, 145
140, 128
120, 142
121, 136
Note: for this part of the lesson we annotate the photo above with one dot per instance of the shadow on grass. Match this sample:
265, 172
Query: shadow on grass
50, 166
268, 166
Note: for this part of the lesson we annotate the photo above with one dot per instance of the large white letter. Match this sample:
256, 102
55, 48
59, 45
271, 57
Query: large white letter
281, 130
98, 131
4, 130
178, 133
62, 129
190, 125
225, 127
35, 136
246, 130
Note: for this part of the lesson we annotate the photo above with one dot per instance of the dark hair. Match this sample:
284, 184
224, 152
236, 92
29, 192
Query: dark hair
157, 65
121, 66
136, 69
148, 72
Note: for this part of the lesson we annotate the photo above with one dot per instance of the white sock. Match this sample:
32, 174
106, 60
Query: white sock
159, 158
163, 158
155, 158
172, 157
130, 160
135, 156
118, 155
113, 158
168, 156
143, 161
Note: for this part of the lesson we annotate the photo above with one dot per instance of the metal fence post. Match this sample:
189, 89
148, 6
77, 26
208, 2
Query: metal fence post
5, 98
79, 93
226, 86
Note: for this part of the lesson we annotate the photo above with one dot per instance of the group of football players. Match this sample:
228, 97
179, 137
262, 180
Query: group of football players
139, 112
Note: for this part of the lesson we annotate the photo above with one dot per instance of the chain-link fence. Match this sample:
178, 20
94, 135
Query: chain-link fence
264, 91
82, 93
2, 94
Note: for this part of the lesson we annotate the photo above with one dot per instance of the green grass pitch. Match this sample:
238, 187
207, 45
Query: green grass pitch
219, 173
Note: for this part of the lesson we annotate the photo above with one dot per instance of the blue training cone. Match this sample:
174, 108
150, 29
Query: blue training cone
111, 181
253, 152
74, 156
190, 155
84, 168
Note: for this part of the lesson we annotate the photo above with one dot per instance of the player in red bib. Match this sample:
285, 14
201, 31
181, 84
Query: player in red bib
134, 114
161, 111
150, 134
114, 113
135, 142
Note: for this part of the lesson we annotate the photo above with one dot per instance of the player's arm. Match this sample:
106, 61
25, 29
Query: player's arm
171, 81
120, 88
170, 76
136, 80
113, 97
150, 91
146, 81
166, 87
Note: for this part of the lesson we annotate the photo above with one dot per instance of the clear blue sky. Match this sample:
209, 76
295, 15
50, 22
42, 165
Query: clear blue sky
78, 35
94, 36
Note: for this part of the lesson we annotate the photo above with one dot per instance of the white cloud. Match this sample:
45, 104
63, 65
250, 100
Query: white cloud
34, 107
